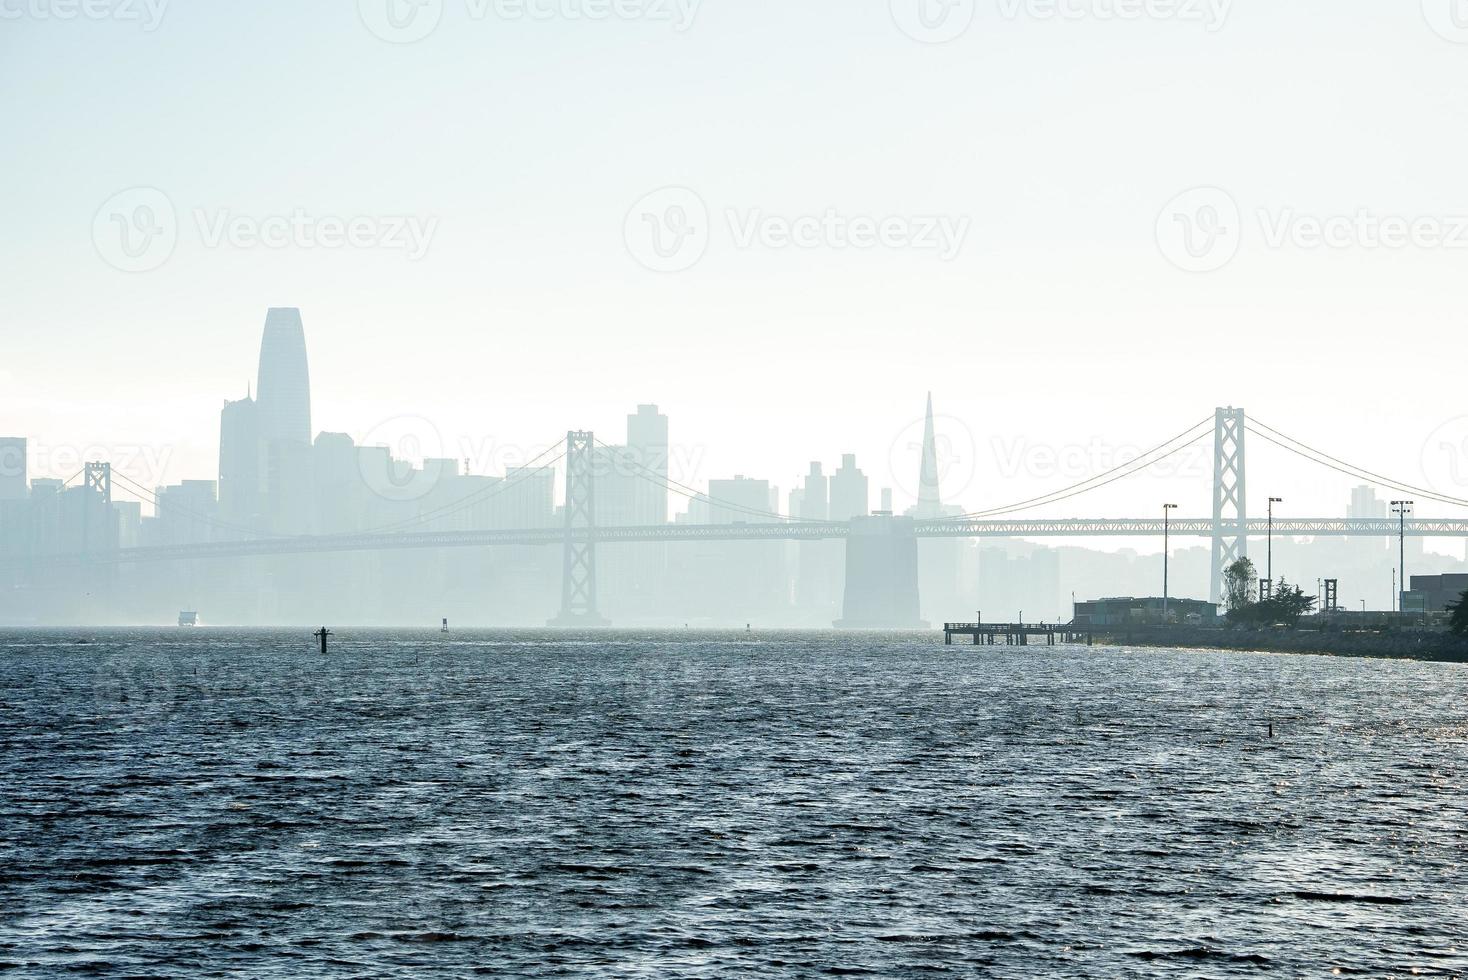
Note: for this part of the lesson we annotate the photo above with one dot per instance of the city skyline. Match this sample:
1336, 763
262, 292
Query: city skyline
893, 566
915, 478
914, 481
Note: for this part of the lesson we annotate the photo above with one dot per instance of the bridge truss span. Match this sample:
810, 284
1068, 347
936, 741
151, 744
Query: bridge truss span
785, 531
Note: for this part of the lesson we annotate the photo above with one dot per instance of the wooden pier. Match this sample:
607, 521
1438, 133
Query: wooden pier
1019, 634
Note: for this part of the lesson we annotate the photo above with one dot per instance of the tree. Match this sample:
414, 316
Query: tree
1286, 604
1239, 580
1459, 621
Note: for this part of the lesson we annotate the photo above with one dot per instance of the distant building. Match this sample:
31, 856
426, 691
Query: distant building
184, 514
1434, 593
12, 469
930, 500
129, 523
14, 511
740, 501
850, 491
1365, 505
1143, 612
284, 384
648, 450
815, 504
241, 463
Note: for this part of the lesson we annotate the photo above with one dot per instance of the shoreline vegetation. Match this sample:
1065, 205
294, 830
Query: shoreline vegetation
1403, 644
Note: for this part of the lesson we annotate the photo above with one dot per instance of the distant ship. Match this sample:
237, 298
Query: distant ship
188, 618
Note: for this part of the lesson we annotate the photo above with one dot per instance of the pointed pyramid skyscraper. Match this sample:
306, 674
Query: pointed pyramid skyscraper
930, 502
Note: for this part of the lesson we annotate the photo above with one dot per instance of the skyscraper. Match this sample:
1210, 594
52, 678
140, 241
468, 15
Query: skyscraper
284, 385
13, 489
929, 503
647, 440
241, 462
12, 469
850, 496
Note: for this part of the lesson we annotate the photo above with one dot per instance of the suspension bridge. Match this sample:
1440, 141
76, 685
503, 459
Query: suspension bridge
880, 548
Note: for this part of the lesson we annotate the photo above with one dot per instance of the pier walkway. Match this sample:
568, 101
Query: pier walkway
1019, 634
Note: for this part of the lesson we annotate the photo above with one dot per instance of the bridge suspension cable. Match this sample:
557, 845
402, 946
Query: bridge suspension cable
424, 517
136, 489
1184, 440
474, 499
1304, 451
683, 490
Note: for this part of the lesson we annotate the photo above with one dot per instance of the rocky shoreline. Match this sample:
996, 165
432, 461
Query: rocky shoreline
1394, 644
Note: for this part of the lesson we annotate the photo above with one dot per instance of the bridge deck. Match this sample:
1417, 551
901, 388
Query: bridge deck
793, 531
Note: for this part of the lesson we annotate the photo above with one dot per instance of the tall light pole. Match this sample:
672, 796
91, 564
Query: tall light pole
1399, 508
1269, 544
1167, 510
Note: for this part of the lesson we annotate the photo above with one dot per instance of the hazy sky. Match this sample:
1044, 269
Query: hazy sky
498, 285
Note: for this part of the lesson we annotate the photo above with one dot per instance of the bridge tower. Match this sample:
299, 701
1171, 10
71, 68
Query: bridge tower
1230, 509
578, 572
97, 519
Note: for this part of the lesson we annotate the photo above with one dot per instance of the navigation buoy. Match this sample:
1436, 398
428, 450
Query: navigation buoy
321, 635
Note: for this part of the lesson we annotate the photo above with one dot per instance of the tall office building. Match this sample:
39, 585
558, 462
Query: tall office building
12, 469
819, 563
647, 442
14, 513
284, 385
1365, 504
814, 497
241, 462
850, 494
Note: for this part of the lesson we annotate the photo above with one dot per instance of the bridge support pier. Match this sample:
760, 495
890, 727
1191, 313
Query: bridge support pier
881, 575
